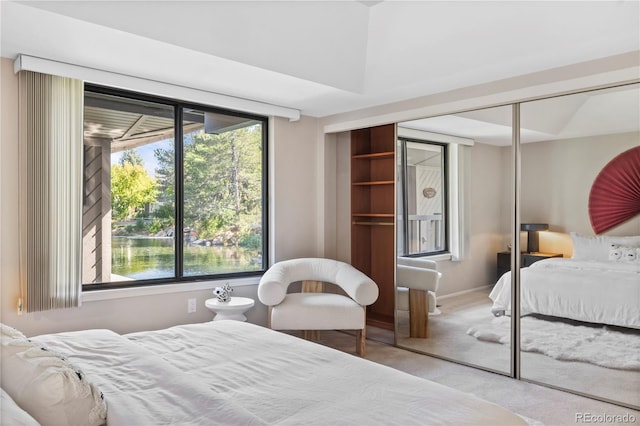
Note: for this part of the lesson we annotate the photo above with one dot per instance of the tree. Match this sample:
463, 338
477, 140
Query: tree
222, 182
165, 178
131, 189
131, 156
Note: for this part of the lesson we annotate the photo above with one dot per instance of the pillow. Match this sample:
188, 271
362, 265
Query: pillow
12, 414
598, 247
47, 385
11, 333
615, 252
620, 253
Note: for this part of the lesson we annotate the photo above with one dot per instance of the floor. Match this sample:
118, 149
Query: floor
539, 403
448, 339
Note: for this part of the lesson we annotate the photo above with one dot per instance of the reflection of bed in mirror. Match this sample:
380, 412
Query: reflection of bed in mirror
599, 284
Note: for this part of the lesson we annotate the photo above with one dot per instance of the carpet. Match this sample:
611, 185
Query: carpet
562, 341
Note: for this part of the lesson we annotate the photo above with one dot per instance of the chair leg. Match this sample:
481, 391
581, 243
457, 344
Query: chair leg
361, 339
269, 316
418, 314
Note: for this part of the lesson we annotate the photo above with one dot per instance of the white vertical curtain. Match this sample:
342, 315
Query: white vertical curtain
51, 164
459, 164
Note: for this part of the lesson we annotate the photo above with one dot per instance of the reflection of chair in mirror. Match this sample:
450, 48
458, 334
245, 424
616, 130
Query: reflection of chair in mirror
417, 281
311, 309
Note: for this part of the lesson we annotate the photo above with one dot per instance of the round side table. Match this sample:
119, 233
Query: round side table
234, 309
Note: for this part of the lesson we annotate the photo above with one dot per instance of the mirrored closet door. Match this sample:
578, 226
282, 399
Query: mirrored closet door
454, 197
577, 242
580, 289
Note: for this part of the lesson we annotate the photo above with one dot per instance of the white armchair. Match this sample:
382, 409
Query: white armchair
417, 282
312, 309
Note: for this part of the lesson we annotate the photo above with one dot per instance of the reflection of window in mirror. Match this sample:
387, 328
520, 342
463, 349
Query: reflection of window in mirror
423, 197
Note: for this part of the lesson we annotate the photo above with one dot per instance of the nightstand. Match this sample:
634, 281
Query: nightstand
234, 309
526, 259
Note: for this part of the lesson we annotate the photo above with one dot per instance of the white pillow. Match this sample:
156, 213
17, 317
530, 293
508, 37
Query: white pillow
619, 253
598, 247
47, 385
12, 414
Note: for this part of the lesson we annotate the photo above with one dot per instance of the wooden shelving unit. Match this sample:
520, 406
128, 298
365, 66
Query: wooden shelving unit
373, 215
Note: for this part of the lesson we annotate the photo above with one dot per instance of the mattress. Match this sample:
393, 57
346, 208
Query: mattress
230, 372
592, 291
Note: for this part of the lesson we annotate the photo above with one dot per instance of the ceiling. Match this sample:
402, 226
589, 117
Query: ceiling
321, 57
599, 112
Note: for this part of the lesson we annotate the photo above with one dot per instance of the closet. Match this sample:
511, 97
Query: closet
373, 215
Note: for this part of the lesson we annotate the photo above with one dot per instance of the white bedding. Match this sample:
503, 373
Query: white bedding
228, 372
591, 291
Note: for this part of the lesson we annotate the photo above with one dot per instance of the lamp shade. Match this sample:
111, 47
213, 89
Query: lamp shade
534, 226
532, 236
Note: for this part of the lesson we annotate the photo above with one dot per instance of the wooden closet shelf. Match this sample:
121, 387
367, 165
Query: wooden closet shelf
373, 182
374, 155
372, 215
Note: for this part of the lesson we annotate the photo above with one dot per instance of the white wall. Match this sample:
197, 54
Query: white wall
294, 228
488, 215
342, 211
295, 184
488, 220
309, 199
556, 177
556, 181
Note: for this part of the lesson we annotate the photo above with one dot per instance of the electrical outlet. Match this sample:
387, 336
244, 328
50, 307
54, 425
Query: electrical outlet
191, 306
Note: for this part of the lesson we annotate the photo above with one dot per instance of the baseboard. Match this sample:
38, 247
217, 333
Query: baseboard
458, 293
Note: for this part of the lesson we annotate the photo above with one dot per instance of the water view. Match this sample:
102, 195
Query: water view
142, 258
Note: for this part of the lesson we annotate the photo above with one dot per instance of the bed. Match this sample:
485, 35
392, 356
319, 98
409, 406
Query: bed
599, 284
220, 372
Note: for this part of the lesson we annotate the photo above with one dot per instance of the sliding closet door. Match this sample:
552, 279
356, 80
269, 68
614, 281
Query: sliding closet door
454, 204
580, 294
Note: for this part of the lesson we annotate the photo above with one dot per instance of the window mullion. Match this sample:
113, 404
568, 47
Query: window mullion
179, 185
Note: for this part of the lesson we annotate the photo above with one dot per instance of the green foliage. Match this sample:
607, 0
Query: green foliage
251, 241
140, 225
156, 226
131, 189
131, 156
222, 183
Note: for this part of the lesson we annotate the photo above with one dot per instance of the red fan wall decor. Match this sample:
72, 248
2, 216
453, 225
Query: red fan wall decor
615, 194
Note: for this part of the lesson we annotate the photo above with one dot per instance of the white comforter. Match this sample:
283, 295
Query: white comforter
234, 373
596, 292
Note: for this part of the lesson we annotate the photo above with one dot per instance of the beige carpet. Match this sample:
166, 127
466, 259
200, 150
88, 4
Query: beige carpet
449, 339
550, 406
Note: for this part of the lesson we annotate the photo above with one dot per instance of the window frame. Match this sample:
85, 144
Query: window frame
178, 110
445, 196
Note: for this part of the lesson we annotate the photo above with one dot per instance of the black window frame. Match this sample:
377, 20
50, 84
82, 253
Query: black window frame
405, 203
178, 108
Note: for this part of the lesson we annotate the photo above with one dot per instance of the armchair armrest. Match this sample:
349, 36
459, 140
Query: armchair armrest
418, 262
418, 278
273, 285
356, 284
272, 288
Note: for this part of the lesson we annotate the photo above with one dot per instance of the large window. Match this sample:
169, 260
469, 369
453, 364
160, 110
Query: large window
422, 201
171, 191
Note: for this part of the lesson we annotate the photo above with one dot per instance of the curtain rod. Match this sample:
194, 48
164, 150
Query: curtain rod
149, 86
